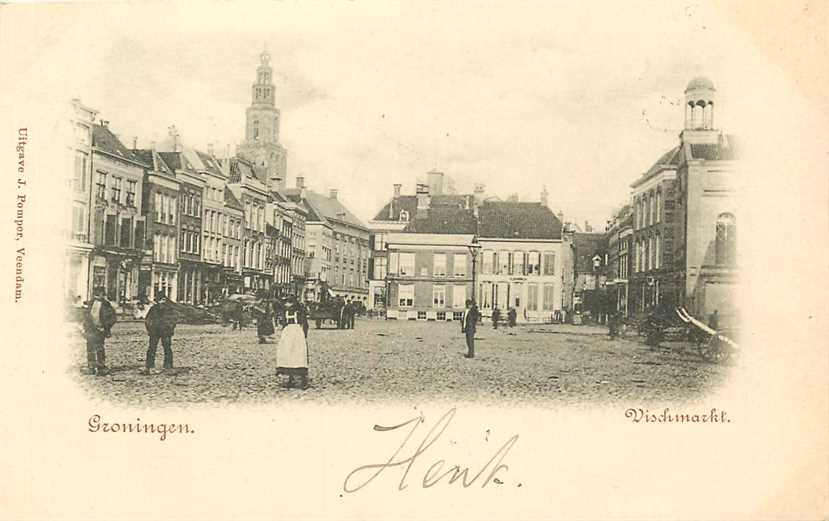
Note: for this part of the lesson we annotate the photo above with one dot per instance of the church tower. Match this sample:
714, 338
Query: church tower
261, 145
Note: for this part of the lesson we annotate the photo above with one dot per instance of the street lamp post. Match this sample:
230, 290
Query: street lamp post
474, 249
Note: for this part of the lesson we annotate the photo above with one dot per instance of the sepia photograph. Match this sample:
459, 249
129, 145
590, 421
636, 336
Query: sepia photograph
463, 262
574, 251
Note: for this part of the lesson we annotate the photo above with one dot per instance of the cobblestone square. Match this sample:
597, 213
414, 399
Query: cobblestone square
414, 361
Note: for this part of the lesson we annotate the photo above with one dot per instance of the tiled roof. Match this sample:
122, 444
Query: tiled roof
331, 209
518, 220
232, 201
172, 159
210, 163
668, 160
587, 245
446, 219
409, 203
153, 161
106, 141
725, 150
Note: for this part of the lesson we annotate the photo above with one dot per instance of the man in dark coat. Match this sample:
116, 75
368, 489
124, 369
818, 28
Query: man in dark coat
511, 316
496, 317
99, 317
468, 326
351, 313
161, 324
264, 319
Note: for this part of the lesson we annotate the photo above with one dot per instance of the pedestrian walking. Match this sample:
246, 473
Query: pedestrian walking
468, 327
292, 351
263, 311
99, 317
496, 317
511, 317
161, 325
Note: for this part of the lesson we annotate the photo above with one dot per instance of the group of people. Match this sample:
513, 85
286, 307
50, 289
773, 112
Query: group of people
348, 310
99, 317
512, 316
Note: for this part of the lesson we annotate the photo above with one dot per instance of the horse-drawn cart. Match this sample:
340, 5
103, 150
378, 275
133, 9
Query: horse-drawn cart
714, 345
680, 327
330, 310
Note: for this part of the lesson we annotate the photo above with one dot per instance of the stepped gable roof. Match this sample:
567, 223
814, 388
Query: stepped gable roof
725, 150
239, 169
446, 219
104, 140
518, 220
587, 245
668, 161
154, 161
232, 201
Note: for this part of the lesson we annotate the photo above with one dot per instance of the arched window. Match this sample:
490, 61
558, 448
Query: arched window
255, 129
404, 216
726, 240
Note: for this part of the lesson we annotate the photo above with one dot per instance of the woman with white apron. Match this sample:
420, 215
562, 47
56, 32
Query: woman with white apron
292, 351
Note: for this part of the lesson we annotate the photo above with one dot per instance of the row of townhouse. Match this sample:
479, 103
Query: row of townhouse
434, 250
175, 219
674, 243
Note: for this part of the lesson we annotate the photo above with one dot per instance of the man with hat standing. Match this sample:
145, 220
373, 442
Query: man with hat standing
99, 317
469, 324
161, 324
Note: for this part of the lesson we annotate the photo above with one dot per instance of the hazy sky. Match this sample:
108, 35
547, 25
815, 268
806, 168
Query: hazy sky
514, 95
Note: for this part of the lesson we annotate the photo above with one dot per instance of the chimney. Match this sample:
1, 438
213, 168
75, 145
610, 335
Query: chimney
423, 199
134, 143
333, 193
300, 182
544, 195
513, 198
105, 123
210, 149
397, 187
174, 134
435, 181
587, 227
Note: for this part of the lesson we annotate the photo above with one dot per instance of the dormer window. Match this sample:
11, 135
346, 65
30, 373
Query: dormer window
404, 216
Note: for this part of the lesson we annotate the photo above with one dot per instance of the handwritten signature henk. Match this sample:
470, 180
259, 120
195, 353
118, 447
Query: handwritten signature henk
435, 473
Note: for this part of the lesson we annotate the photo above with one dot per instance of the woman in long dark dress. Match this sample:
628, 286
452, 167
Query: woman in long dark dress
264, 320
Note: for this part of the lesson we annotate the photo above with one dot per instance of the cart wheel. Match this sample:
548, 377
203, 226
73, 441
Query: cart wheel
714, 350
